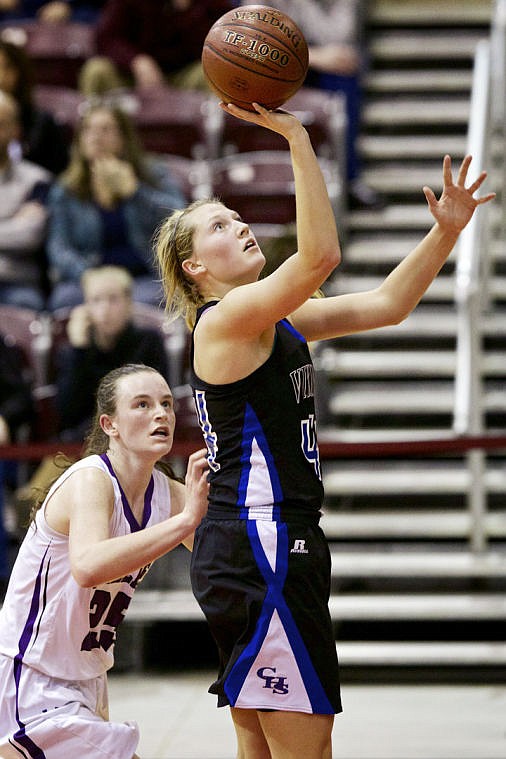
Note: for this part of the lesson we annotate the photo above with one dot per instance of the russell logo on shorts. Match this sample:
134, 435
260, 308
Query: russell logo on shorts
299, 546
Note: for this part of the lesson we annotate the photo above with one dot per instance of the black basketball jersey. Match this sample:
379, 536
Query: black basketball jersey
261, 433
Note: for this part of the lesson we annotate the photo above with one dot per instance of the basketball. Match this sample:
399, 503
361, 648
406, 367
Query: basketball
255, 54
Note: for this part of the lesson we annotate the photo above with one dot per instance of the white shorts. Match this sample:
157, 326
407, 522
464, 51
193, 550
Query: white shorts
49, 718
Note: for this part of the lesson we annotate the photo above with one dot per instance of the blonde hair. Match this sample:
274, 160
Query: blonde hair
173, 244
118, 273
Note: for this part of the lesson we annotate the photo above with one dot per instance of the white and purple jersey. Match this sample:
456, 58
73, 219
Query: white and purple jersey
49, 622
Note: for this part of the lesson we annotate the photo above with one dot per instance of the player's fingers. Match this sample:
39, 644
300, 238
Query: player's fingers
429, 195
478, 182
447, 171
485, 198
197, 460
464, 168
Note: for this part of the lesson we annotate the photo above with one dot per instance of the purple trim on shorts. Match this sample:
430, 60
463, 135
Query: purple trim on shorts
20, 735
127, 511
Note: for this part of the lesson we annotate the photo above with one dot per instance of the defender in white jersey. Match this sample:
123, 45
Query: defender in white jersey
100, 526
261, 567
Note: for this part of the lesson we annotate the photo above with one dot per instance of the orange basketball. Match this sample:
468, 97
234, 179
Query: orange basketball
255, 54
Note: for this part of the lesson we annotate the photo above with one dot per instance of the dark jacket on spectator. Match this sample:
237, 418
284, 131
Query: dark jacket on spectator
127, 28
15, 394
81, 369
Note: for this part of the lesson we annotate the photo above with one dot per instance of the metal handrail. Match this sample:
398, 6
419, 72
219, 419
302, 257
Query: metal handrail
487, 118
470, 282
498, 106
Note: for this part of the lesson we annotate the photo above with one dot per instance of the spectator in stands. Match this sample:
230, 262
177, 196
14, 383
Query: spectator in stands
101, 336
106, 206
16, 410
54, 11
333, 30
152, 43
16, 407
41, 139
23, 218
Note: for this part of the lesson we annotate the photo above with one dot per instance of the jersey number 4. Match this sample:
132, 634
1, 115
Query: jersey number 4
309, 443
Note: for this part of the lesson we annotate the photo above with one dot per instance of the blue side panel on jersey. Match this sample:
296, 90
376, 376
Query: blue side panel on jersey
252, 430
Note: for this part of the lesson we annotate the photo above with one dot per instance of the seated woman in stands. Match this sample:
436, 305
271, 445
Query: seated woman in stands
41, 140
16, 413
106, 206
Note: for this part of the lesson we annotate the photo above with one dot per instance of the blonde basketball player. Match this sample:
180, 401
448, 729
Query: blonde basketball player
261, 566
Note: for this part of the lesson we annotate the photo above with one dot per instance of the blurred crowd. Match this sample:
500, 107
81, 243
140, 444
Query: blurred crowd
82, 201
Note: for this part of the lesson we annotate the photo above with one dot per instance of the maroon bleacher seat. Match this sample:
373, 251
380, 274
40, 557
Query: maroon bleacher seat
64, 103
259, 185
29, 331
176, 121
322, 113
57, 50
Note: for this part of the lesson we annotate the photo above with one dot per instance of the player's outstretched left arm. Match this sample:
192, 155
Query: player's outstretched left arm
401, 291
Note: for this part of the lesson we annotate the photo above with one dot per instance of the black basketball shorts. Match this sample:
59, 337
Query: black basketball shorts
264, 587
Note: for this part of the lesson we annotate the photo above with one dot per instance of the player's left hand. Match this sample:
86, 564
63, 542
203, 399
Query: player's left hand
456, 205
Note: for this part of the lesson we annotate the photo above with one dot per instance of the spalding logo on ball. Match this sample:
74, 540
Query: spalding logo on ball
255, 54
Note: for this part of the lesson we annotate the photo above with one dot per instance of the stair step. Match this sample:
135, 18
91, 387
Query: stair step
442, 289
416, 80
401, 525
375, 241
420, 363
401, 216
366, 435
430, 12
440, 606
383, 363
394, 398
406, 111
397, 178
409, 45
160, 605
407, 147
432, 321
436, 477
365, 247
382, 479
434, 397
416, 563
377, 653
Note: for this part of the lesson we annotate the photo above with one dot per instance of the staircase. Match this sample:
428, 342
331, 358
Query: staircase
410, 597
409, 594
